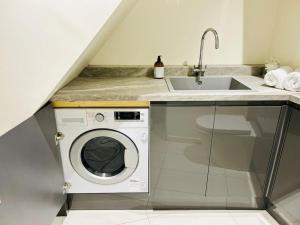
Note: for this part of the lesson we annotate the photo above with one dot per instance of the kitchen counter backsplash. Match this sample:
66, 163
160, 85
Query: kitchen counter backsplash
136, 71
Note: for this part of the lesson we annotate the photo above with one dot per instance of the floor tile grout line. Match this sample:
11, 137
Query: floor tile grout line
133, 221
234, 219
266, 220
148, 219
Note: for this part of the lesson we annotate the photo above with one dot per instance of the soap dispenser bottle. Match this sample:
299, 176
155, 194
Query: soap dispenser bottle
159, 70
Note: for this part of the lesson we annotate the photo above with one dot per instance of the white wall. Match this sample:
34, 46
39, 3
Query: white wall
173, 28
42, 44
286, 41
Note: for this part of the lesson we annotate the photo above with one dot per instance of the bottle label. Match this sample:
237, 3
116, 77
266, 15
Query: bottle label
159, 72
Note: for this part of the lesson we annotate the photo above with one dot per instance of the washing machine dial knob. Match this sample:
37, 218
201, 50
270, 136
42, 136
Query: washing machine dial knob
99, 117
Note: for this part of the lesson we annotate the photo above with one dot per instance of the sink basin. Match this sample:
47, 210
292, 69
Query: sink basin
213, 83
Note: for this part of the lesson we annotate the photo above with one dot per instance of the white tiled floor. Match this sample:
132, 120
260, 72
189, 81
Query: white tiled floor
149, 217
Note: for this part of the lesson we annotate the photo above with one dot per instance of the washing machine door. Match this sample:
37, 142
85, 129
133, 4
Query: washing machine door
104, 156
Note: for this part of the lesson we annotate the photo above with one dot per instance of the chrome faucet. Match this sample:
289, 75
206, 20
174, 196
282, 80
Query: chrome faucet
198, 70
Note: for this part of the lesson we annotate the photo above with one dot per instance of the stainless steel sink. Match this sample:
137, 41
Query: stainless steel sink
213, 83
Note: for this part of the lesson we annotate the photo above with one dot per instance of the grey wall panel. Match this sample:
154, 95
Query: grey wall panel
285, 198
31, 178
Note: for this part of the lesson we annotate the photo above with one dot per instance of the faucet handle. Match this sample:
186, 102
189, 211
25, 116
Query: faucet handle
201, 71
196, 70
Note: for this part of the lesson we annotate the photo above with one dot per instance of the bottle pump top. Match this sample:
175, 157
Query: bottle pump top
159, 63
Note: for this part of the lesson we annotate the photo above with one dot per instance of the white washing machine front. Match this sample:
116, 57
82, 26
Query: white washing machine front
104, 150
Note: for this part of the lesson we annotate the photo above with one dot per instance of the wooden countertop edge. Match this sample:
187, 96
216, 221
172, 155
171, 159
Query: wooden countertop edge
104, 104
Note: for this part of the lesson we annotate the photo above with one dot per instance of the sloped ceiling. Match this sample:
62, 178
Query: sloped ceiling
44, 44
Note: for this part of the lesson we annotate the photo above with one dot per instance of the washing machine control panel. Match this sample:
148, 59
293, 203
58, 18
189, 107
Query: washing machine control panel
94, 118
127, 115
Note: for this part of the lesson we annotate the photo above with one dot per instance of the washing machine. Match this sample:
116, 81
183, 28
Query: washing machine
104, 150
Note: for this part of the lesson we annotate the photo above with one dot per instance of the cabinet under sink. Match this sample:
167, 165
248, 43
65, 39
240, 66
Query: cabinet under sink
204, 155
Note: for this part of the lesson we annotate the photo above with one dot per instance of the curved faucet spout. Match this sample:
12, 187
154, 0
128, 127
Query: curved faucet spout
199, 70
215, 34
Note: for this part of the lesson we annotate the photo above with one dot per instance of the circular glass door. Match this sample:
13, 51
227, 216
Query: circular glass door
104, 156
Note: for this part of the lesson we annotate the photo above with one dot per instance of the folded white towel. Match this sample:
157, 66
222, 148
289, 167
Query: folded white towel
287, 68
276, 77
292, 81
271, 66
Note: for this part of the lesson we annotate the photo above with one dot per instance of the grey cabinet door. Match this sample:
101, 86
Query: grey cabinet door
179, 154
31, 178
241, 147
285, 197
